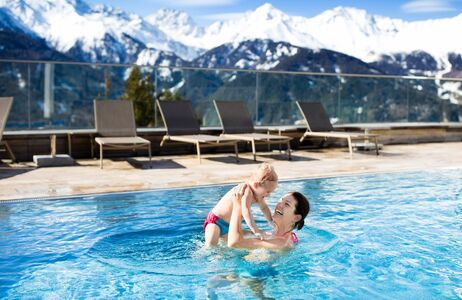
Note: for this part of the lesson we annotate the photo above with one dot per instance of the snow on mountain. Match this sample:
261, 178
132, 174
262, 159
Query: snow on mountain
176, 24
154, 57
18, 42
352, 31
343, 29
254, 54
266, 22
67, 23
8, 22
270, 55
355, 32
102, 33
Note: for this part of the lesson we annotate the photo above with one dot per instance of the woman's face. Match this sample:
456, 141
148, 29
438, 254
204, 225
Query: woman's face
284, 212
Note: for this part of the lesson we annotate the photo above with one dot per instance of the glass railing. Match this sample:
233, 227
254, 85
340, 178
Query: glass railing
55, 95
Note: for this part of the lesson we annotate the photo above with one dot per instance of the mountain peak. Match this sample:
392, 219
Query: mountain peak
170, 17
175, 23
266, 7
267, 12
346, 13
109, 10
348, 10
46, 5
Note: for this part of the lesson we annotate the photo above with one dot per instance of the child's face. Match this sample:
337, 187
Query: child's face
264, 189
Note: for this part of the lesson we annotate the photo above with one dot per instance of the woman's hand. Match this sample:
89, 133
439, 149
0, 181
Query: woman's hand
259, 234
240, 191
263, 235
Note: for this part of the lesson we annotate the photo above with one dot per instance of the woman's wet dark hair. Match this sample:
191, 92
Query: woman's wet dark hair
302, 208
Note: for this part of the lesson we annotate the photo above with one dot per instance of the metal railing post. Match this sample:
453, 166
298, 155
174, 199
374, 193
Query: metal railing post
257, 92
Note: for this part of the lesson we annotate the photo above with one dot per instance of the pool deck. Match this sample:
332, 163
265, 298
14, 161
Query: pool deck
19, 181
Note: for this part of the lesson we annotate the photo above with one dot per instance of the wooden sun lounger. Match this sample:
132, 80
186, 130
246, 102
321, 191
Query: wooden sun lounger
116, 126
237, 123
182, 126
5, 107
319, 125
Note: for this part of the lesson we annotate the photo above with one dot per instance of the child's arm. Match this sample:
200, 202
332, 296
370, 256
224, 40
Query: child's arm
266, 211
246, 201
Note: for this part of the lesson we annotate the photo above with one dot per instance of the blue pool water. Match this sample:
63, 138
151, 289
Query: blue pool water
384, 236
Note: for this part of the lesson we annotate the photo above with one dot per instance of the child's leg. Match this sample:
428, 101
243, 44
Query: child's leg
212, 234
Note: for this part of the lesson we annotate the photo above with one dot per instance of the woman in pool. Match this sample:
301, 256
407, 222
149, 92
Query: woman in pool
289, 213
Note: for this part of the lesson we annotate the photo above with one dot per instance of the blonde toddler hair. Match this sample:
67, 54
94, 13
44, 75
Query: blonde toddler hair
264, 172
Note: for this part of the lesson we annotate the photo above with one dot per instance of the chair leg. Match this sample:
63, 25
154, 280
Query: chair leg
253, 151
236, 151
92, 145
69, 144
164, 139
10, 153
198, 149
350, 147
288, 150
376, 146
150, 156
101, 156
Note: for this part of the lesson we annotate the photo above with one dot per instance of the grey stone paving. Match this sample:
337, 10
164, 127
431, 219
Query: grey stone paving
18, 181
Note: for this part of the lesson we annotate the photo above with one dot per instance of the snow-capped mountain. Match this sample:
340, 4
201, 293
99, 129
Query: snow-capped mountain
266, 22
105, 34
18, 42
252, 54
357, 33
178, 25
343, 29
99, 32
8, 22
270, 55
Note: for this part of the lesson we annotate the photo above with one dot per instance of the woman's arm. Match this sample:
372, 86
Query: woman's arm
235, 233
236, 240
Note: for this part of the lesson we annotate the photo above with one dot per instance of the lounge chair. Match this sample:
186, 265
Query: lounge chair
319, 125
5, 106
116, 127
237, 123
182, 126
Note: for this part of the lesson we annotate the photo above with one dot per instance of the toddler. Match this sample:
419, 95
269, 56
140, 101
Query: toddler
260, 184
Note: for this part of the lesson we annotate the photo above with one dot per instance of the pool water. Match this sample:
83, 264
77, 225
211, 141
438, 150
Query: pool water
382, 236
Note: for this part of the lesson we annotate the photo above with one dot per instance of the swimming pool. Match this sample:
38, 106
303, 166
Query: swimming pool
381, 236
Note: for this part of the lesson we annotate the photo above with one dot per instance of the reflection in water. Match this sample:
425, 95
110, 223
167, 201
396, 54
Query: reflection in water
252, 271
228, 281
114, 211
5, 212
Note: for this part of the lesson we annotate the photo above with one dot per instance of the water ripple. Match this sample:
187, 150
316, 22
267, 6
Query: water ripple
384, 236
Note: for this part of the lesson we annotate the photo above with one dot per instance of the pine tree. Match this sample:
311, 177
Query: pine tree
169, 96
140, 89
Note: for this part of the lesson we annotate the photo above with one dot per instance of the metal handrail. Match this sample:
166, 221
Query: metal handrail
408, 77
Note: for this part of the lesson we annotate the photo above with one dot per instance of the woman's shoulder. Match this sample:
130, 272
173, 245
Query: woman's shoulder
284, 242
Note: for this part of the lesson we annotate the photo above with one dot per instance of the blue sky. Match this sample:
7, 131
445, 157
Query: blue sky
205, 12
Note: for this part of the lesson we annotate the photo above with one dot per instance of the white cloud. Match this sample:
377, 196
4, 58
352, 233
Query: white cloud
196, 2
427, 6
222, 17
